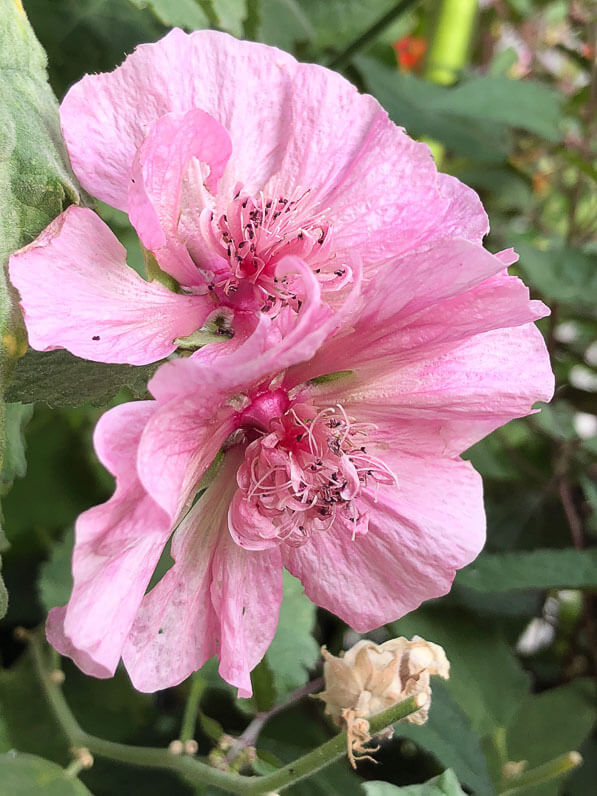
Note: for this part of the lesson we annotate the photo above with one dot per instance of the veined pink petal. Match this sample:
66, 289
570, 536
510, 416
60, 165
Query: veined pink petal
419, 534
179, 443
246, 591
156, 183
111, 113
215, 599
117, 547
463, 391
78, 293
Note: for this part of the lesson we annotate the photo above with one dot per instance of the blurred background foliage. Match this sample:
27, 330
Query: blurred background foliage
517, 120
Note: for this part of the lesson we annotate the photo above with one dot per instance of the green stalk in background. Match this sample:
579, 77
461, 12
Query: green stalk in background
449, 50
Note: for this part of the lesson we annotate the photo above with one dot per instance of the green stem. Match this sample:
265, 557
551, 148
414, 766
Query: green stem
189, 719
448, 51
343, 59
330, 751
545, 773
191, 769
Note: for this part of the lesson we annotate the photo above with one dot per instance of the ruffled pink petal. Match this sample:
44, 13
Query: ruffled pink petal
419, 534
117, 547
379, 188
215, 599
78, 293
180, 441
175, 631
457, 394
106, 117
436, 295
156, 184
246, 592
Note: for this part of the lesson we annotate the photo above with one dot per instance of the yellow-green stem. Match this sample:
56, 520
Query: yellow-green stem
545, 773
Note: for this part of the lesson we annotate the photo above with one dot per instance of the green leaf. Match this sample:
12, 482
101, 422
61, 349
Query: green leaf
539, 569
445, 784
183, 13
55, 579
14, 463
486, 679
412, 103
61, 379
522, 104
449, 737
25, 775
35, 185
561, 274
549, 724
294, 650
230, 15
283, 23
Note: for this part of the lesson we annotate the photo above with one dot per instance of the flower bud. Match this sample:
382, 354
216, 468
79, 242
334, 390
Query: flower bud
372, 677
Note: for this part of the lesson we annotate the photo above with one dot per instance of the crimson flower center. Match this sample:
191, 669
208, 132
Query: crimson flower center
307, 474
255, 232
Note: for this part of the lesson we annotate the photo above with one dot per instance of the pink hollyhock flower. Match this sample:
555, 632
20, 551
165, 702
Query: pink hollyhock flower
227, 155
340, 464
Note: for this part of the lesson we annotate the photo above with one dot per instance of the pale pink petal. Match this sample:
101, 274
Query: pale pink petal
117, 547
463, 391
175, 630
464, 215
435, 295
215, 599
246, 592
106, 117
419, 534
156, 184
78, 293
180, 441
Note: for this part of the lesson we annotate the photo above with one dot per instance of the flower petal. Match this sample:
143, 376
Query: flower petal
117, 547
215, 599
78, 293
419, 534
246, 592
454, 394
111, 113
156, 184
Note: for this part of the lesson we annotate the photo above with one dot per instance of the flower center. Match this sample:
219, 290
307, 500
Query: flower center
255, 232
307, 473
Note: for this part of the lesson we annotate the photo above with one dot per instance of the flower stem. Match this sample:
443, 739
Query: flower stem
189, 719
343, 59
448, 51
451, 41
545, 773
189, 768
330, 751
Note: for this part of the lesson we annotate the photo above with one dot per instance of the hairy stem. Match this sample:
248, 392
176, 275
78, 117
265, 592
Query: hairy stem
189, 719
189, 768
545, 773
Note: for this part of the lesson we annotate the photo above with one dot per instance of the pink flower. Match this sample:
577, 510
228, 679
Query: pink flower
339, 462
228, 156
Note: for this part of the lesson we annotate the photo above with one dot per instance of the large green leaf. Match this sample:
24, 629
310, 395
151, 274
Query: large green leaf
445, 784
449, 737
183, 13
486, 680
61, 379
561, 273
550, 724
539, 569
411, 103
25, 775
521, 104
55, 579
35, 181
293, 650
